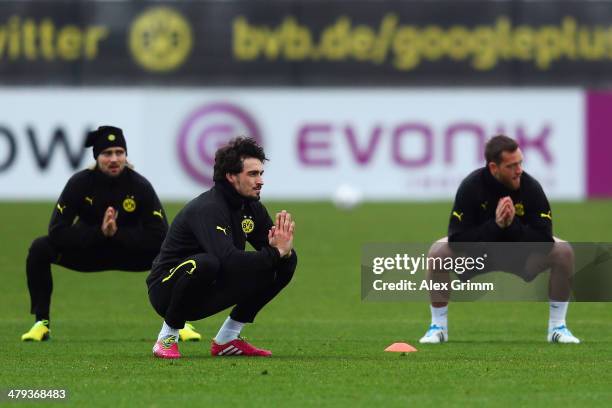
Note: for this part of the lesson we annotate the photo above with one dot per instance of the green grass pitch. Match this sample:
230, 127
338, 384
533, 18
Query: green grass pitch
328, 344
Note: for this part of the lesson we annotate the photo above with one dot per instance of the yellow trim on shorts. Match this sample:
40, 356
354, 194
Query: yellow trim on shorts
189, 261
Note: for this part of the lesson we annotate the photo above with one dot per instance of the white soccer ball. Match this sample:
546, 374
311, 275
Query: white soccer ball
346, 197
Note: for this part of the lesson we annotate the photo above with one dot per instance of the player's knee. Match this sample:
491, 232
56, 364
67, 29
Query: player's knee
293, 259
285, 275
285, 272
41, 249
440, 249
562, 254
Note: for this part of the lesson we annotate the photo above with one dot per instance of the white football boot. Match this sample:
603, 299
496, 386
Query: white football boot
561, 334
435, 334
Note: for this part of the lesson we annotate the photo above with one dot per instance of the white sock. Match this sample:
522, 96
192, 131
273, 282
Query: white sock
167, 331
558, 310
229, 331
439, 316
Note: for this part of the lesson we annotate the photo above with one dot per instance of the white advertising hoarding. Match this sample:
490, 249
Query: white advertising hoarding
409, 144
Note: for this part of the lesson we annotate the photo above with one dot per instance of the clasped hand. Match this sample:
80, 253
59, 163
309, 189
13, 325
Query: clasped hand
109, 223
280, 235
504, 213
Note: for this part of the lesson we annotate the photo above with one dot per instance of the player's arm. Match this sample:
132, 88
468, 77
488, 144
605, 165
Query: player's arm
63, 230
213, 231
259, 237
152, 227
538, 219
463, 225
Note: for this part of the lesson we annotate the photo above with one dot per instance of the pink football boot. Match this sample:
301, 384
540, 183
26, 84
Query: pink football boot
166, 348
237, 347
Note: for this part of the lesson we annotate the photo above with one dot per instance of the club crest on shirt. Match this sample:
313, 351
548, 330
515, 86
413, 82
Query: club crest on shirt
247, 225
519, 209
129, 204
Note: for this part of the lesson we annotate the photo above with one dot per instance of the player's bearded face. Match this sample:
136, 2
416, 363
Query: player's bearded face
249, 181
509, 171
112, 161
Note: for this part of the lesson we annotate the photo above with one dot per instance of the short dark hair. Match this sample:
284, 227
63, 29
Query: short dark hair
497, 145
229, 158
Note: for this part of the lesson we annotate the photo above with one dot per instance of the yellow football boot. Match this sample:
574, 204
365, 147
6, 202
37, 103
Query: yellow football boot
39, 332
188, 333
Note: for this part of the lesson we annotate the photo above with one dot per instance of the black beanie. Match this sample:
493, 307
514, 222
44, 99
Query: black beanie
105, 137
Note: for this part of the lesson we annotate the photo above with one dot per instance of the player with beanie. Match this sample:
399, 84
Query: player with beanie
108, 217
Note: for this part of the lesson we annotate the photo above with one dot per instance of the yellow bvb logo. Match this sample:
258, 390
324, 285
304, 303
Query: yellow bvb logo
248, 225
111, 138
160, 39
519, 209
129, 204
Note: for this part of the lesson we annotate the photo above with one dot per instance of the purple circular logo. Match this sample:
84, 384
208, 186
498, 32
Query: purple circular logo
207, 129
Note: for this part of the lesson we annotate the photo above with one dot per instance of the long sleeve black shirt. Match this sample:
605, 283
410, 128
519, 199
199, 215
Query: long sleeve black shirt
78, 214
472, 218
219, 222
